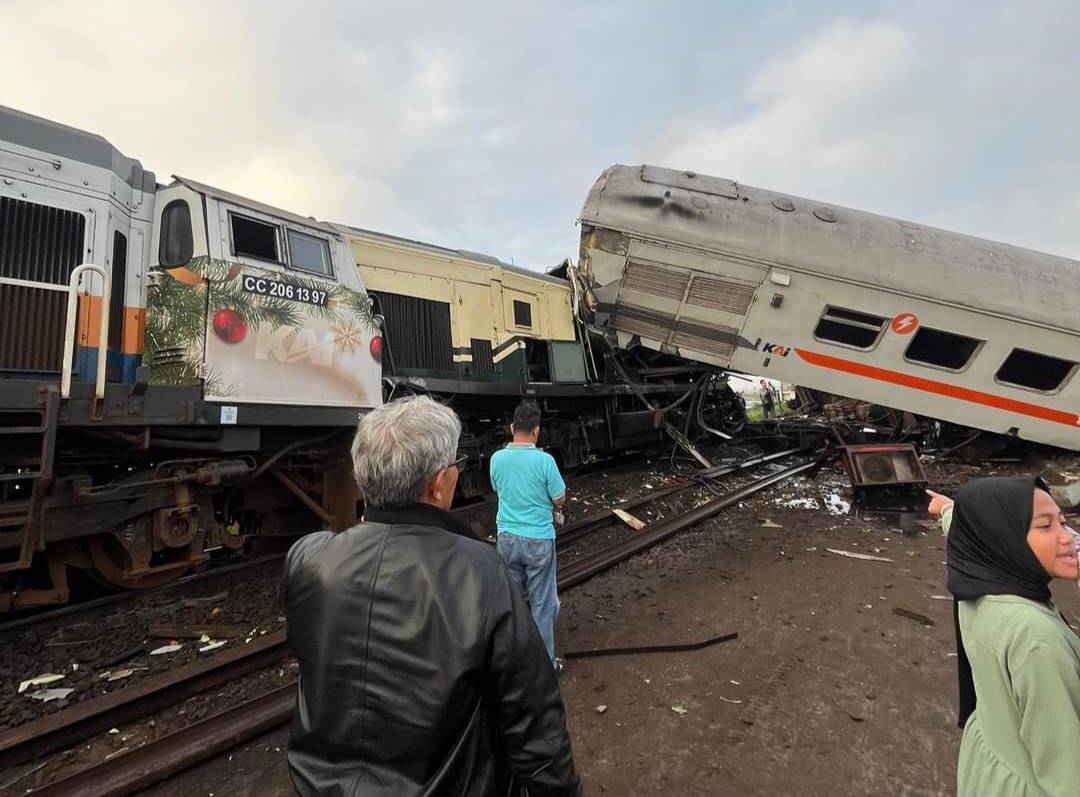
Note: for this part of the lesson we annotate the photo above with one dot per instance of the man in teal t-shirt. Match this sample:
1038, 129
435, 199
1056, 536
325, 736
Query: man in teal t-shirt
529, 487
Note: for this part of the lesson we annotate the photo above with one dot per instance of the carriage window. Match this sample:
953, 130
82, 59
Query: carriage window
177, 245
849, 327
941, 349
522, 314
254, 238
1034, 371
308, 253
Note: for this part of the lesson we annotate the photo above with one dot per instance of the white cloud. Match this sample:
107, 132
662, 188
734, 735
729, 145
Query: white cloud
824, 114
920, 125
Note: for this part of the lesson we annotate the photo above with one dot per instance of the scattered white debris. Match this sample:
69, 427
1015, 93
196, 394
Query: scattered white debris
116, 675
941, 597
40, 680
768, 524
45, 695
680, 710
175, 646
737, 683
113, 731
863, 556
728, 700
836, 505
601, 709
74, 666
799, 503
647, 486
212, 646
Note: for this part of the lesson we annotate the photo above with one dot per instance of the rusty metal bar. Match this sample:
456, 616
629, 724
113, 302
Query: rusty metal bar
585, 569
57, 731
313, 505
152, 763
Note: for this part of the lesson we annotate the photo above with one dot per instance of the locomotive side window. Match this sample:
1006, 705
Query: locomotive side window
254, 238
1034, 371
941, 349
308, 253
522, 314
177, 245
849, 328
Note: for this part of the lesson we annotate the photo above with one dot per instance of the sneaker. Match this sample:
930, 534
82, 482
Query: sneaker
560, 665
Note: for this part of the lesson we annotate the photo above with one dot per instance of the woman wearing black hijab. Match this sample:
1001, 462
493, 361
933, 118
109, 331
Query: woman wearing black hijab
1018, 661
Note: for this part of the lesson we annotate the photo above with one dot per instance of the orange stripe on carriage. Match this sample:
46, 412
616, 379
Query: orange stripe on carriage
940, 388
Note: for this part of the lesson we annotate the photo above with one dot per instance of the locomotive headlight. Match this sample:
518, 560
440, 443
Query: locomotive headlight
375, 347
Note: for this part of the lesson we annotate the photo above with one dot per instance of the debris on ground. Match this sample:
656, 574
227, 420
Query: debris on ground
916, 616
164, 649
863, 556
40, 680
47, 695
628, 519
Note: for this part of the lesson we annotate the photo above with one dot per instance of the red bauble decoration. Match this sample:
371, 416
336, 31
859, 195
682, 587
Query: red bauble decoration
375, 347
230, 326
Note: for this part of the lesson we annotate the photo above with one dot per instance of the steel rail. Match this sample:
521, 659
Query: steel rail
587, 525
584, 569
155, 761
130, 595
57, 731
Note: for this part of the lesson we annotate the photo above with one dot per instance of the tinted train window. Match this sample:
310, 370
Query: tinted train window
849, 327
942, 349
522, 314
308, 253
254, 238
177, 245
1034, 371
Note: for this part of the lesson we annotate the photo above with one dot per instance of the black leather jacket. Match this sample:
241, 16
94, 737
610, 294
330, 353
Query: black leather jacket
421, 671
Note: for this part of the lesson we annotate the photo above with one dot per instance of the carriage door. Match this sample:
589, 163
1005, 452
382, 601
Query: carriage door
124, 261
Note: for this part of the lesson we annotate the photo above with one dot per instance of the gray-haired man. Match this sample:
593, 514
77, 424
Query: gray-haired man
421, 671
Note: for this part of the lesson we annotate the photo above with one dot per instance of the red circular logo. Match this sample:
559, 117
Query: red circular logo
905, 323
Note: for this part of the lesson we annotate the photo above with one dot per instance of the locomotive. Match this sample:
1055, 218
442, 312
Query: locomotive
181, 368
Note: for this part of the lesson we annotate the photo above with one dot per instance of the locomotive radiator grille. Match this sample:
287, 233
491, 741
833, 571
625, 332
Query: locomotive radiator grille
31, 328
38, 244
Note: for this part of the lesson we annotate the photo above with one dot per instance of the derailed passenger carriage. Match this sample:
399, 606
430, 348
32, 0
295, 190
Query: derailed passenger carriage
178, 367
942, 325
482, 335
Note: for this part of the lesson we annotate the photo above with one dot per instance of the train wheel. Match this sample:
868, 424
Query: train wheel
114, 565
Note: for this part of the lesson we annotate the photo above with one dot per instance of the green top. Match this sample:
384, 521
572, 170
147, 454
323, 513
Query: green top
1024, 738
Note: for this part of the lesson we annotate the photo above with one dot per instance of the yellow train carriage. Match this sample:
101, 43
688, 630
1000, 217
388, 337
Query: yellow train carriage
452, 314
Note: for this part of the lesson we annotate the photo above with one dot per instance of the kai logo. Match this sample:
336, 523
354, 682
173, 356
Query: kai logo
294, 345
776, 350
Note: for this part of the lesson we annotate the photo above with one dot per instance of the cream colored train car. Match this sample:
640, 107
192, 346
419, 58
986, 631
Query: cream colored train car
943, 325
452, 315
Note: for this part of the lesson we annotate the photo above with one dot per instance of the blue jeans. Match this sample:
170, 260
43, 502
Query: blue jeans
532, 567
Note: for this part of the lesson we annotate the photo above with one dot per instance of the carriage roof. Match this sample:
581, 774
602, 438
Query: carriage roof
800, 234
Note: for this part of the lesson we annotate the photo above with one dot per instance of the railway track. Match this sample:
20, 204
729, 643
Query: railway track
163, 757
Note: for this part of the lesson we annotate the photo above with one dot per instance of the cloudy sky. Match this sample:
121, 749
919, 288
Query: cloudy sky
481, 125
